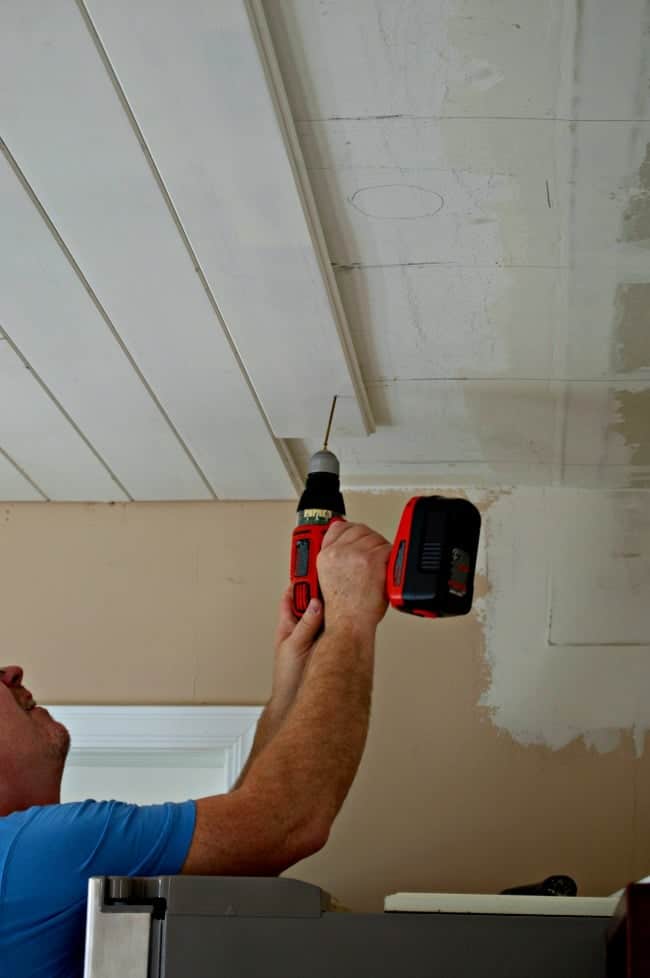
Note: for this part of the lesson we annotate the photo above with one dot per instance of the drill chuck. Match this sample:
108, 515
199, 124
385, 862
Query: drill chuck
324, 461
321, 500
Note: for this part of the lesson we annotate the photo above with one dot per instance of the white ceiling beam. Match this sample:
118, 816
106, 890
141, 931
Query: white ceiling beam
206, 93
77, 148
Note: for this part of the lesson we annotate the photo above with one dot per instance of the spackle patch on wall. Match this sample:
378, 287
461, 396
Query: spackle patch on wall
636, 219
567, 616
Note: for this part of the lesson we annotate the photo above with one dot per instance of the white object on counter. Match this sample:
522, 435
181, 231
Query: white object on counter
486, 903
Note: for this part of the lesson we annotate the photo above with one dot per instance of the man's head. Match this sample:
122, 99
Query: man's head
33, 747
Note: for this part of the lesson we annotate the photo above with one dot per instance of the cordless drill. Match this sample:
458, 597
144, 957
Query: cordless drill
320, 505
433, 559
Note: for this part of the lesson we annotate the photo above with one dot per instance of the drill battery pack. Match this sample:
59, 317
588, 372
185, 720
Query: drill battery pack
433, 559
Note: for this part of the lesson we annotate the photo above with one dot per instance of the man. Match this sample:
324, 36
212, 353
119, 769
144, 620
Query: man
307, 749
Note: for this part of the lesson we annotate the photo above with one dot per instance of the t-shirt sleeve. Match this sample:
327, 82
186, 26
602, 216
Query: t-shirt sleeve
67, 844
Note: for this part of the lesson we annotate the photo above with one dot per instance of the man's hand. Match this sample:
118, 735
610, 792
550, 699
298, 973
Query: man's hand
352, 573
294, 641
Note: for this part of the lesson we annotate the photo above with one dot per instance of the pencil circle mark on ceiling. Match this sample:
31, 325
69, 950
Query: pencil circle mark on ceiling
397, 202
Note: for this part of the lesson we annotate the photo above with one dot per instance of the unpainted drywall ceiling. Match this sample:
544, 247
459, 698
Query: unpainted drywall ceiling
482, 173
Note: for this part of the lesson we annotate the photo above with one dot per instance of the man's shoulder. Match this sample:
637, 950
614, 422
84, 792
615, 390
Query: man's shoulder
77, 840
17, 822
32, 826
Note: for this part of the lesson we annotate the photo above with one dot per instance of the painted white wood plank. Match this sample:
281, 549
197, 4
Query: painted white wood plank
195, 79
14, 487
463, 58
361, 475
414, 322
77, 148
424, 58
499, 432
39, 439
607, 67
477, 192
419, 321
395, 191
53, 321
427, 426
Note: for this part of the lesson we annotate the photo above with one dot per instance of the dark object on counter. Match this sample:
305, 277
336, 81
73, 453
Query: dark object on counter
628, 939
551, 886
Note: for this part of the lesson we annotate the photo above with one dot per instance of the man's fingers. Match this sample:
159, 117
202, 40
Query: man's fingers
305, 632
352, 533
335, 531
286, 619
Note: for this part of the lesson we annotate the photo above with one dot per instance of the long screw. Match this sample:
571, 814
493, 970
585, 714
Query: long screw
329, 423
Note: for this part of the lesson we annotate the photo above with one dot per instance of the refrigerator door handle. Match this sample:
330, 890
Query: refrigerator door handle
118, 938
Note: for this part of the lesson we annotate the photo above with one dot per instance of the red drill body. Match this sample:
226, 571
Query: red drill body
432, 564
320, 505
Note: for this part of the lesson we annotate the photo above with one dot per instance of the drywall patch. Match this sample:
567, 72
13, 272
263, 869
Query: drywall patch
632, 327
636, 218
547, 694
632, 421
603, 741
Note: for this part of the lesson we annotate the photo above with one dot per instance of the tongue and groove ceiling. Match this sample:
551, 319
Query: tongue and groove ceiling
214, 215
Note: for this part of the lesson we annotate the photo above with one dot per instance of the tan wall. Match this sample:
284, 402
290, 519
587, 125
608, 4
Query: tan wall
160, 603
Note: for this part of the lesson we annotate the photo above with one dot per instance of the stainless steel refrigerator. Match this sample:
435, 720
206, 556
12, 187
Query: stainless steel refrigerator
234, 927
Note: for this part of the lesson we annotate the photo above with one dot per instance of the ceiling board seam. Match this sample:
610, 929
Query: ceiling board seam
360, 266
24, 474
574, 45
621, 381
464, 118
121, 94
273, 75
508, 461
107, 321
39, 380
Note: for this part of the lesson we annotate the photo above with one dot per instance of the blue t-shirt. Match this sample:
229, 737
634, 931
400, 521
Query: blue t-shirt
48, 854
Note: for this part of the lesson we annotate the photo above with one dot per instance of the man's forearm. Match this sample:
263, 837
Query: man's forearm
268, 725
306, 770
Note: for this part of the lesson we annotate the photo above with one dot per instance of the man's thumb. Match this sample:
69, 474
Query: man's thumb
307, 628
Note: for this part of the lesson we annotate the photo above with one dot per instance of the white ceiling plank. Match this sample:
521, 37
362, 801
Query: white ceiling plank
514, 59
500, 432
62, 334
77, 148
398, 191
43, 443
431, 423
454, 321
453, 191
194, 76
457, 321
376, 57
15, 487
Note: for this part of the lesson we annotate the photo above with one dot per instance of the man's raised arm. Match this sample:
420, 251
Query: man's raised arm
296, 785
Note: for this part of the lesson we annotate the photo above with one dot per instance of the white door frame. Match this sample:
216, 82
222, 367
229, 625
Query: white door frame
164, 728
